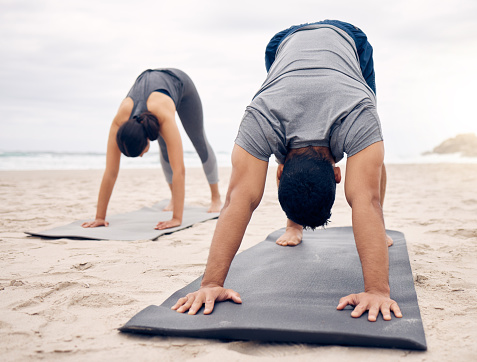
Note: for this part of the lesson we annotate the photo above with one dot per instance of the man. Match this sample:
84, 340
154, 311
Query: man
317, 103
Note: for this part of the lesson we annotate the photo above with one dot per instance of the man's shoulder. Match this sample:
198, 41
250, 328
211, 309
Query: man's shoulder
252, 135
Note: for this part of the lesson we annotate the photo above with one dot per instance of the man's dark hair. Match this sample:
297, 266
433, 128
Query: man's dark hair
307, 189
132, 136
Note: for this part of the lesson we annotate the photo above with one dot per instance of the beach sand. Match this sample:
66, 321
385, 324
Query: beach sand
64, 299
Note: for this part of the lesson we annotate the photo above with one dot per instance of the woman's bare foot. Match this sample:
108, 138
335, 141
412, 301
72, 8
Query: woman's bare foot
215, 206
291, 237
215, 203
389, 241
169, 207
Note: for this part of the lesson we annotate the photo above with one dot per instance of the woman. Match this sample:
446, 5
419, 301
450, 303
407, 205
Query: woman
147, 114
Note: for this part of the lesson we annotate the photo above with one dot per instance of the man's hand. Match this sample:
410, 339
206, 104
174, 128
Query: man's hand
192, 302
95, 223
372, 302
161, 225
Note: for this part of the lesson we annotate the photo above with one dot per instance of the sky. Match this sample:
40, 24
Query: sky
66, 65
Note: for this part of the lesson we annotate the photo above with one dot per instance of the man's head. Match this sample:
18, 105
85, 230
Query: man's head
308, 186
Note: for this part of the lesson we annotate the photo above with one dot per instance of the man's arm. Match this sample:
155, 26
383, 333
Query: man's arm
382, 186
243, 196
364, 193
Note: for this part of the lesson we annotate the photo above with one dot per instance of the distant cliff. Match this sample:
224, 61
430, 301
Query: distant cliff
465, 144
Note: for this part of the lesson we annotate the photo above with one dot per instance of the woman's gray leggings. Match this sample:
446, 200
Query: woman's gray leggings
190, 112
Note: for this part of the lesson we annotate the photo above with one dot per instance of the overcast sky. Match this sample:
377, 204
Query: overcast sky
66, 65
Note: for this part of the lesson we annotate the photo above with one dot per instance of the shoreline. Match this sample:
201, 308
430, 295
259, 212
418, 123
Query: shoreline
30, 161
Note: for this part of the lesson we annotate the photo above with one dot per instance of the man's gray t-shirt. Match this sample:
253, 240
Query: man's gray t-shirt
314, 95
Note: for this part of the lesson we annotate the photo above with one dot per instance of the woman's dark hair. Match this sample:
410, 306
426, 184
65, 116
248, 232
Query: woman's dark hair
132, 136
307, 189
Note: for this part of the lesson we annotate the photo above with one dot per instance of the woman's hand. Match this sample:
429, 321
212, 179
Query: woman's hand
161, 225
95, 223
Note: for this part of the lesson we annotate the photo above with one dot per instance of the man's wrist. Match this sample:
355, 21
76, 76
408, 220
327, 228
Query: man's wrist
210, 284
382, 290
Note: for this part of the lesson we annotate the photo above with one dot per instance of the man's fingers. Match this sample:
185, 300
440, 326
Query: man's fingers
179, 303
386, 314
192, 302
396, 310
209, 305
195, 306
386, 311
345, 301
359, 310
229, 294
374, 304
236, 298
232, 294
342, 304
185, 307
373, 314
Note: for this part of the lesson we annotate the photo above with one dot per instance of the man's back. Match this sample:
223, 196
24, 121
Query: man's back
312, 96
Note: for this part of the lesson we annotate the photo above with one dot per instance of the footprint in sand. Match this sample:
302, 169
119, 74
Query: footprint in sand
16, 283
100, 300
82, 266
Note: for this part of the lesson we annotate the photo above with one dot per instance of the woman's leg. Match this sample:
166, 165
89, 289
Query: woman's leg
191, 115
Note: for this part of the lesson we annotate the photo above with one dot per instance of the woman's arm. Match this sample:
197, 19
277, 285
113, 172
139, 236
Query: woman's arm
113, 158
170, 133
164, 109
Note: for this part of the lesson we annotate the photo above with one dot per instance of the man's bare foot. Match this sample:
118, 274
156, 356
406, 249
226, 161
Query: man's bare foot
169, 207
291, 237
389, 241
215, 206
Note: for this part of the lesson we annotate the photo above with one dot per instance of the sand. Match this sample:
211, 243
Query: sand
64, 299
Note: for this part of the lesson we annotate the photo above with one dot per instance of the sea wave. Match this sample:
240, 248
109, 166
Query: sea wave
27, 160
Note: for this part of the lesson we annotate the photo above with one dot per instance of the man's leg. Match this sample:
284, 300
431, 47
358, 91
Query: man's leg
294, 232
292, 236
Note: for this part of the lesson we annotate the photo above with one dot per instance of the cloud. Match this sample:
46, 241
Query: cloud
66, 66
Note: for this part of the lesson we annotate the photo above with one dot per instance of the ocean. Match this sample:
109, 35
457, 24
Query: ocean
20, 161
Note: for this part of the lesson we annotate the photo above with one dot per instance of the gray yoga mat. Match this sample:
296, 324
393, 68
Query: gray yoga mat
135, 225
290, 294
